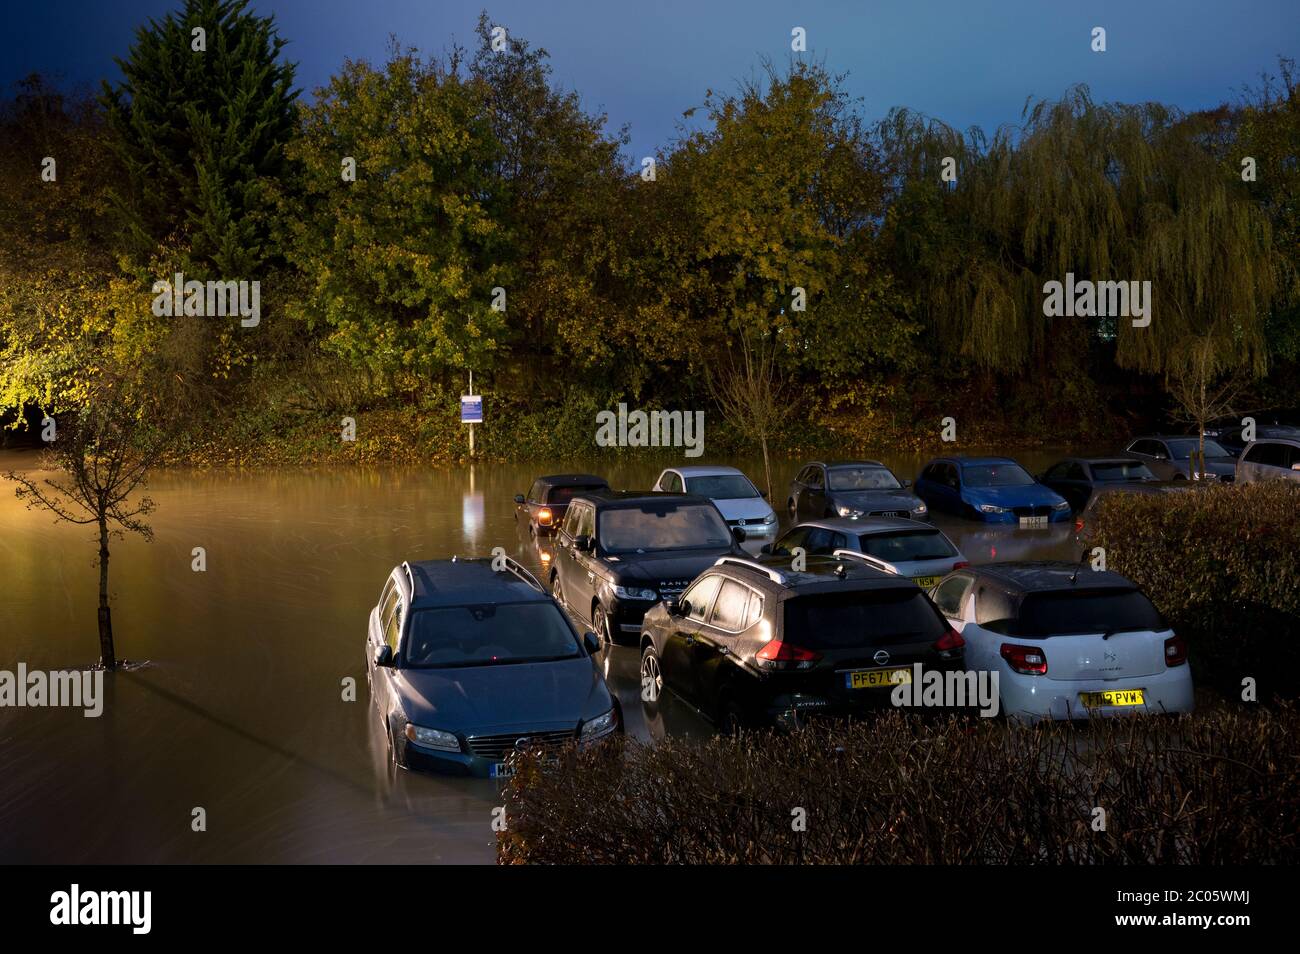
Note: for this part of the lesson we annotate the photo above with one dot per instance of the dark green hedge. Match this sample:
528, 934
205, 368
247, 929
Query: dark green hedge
1209, 789
1222, 563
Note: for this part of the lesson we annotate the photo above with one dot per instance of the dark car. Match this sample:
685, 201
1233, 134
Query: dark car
1270, 423
755, 643
546, 502
991, 489
620, 552
468, 664
851, 488
1078, 478
1170, 457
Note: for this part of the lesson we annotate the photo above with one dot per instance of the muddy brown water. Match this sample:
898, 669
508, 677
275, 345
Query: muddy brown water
240, 711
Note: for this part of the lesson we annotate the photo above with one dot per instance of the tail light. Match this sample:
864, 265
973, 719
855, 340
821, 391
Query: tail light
779, 655
949, 644
1078, 525
1175, 651
1028, 660
960, 565
544, 516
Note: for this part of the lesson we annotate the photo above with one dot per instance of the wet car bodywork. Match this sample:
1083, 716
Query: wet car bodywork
852, 488
911, 548
542, 509
1169, 457
1078, 478
990, 489
497, 669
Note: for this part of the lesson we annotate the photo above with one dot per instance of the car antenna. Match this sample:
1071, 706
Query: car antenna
1078, 566
840, 571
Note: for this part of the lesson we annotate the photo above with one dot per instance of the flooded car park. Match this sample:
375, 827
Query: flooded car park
253, 706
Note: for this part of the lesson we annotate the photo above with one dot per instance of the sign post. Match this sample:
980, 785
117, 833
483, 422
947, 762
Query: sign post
471, 411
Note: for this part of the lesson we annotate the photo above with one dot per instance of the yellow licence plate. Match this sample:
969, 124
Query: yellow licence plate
925, 582
1113, 697
877, 678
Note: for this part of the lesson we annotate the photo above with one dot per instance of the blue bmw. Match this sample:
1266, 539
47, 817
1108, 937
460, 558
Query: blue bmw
991, 489
469, 664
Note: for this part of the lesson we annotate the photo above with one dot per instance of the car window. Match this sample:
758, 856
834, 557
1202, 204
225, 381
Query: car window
862, 478
819, 541
723, 487
755, 612
1084, 611
731, 607
392, 620
700, 594
671, 483
1272, 455
897, 545
950, 477
1184, 448
951, 593
489, 635
389, 585
994, 607
1075, 472
571, 517
586, 521
1122, 470
535, 492
861, 618
1056, 472
564, 493
996, 475
1145, 447
666, 525
795, 538
815, 478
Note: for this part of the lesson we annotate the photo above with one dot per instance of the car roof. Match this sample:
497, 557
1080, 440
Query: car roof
820, 576
705, 470
831, 464
457, 582
1168, 437
1050, 575
1098, 460
865, 524
1293, 441
614, 498
574, 480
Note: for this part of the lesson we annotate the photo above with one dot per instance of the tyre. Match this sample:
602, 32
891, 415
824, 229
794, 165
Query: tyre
600, 623
652, 678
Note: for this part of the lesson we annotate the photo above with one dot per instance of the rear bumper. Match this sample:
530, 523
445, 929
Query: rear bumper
1035, 698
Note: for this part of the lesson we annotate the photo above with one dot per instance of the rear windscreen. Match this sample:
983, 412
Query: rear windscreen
562, 495
899, 546
860, 618
1106, 611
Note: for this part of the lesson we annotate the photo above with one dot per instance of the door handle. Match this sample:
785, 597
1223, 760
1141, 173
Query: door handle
590, 576
723, 651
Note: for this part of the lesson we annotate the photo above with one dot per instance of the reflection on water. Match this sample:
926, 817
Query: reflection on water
242, 710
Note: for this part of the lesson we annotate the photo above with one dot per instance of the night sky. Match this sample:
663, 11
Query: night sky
962, 61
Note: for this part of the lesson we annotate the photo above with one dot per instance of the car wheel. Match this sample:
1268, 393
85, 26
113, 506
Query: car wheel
557, 592
652, 678
731, 720
600, 623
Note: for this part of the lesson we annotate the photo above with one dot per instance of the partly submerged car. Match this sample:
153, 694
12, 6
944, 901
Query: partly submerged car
468, 664
852, 488
741, 504
547, 500
909, 548
991, 489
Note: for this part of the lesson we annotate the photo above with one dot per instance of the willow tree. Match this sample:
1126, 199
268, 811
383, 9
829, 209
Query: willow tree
1105, 192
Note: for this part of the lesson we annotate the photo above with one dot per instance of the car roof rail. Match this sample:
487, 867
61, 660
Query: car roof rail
866, 558
774, 575
515, 567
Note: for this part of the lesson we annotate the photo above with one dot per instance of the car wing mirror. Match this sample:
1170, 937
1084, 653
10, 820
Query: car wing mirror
591, 643
906, 483
739, 534
384, 655
680, 607
582, 543
765, 548
519, 498
763, 494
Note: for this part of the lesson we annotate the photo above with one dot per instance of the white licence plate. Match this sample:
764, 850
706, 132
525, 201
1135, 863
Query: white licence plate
1034, 521
501, 770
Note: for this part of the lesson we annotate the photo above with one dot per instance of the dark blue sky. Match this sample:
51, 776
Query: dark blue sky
643, 63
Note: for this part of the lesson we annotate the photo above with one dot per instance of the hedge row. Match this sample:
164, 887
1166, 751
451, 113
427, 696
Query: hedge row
1222, 563
1212, 789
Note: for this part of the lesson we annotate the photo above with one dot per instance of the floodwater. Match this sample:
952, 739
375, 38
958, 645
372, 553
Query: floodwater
241, 710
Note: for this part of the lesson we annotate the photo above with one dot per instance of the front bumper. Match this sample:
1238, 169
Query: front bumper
1013, 519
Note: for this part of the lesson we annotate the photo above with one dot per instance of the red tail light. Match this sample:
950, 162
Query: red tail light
1078, 525
960, 565
779, 655
1175, 651
544, 516
949, 643
1029, 660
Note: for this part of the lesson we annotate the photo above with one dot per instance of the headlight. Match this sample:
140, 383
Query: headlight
601, 725
770, 518
919, 508
634, 593
433, 738
992, 508
1060, 506
848, 512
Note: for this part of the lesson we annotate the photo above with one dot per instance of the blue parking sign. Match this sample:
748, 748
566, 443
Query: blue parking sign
471, 409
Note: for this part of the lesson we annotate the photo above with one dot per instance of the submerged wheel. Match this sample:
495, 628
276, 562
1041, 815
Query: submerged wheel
652, 677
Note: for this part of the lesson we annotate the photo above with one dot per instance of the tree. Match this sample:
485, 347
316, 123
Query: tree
1203, 382
201, 133
105, 454
750, 390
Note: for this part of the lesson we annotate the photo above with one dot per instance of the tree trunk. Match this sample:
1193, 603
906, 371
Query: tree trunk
767, 470
107, 657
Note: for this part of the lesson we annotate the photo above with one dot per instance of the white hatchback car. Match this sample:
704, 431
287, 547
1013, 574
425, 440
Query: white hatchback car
1067, 642
742, 505
1273, 458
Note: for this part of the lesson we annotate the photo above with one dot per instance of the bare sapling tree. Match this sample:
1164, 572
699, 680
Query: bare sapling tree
1204, 385
103, 454
750, 391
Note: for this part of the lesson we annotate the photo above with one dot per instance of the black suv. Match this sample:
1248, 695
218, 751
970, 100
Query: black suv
753, 642
548, 499
620, 552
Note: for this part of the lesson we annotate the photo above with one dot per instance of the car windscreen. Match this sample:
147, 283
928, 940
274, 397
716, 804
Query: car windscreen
862, 478
564, 493
487, 635
662, 526
995, 475
1122, 470
823, 621
1075, 612
1183, 449
897, 546
722, 486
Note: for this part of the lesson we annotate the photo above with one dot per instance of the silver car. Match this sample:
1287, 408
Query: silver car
1170, 458
1272, 459
906, 547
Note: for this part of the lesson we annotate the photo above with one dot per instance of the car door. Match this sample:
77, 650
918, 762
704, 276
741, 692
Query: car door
676, 660
388, 632
586, 565
1075, 486
1156, 456
952, 596
813, 499
946, 488
568, 569
734, 611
